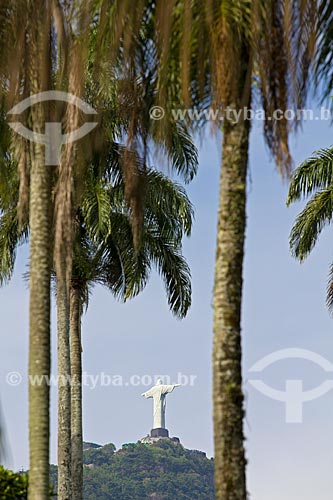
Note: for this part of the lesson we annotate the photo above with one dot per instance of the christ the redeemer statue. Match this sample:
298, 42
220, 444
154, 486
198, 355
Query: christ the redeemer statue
158, 393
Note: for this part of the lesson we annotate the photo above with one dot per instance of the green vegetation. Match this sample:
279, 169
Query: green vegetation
162, 471
14, 485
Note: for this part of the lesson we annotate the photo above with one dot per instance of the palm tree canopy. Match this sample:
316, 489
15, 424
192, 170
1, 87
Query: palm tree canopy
12, 232
315, 173
103, 250
106, 241
324, 52
194, 50
314, 179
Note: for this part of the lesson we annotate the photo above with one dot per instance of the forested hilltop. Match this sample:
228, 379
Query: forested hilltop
162, 471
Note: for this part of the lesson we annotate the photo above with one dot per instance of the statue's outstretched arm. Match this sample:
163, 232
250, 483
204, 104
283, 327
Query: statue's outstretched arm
176, 385
170, 388
147, 394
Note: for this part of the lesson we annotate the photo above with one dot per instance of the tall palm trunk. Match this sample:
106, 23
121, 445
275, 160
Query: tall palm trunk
64, 394
39, 346
76, 393
230, 463
40, 218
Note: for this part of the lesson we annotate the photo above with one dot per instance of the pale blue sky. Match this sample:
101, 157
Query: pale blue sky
284, 306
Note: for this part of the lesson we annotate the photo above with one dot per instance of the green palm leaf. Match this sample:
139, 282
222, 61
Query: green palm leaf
314, 173
317, 213
111, 257
174, 271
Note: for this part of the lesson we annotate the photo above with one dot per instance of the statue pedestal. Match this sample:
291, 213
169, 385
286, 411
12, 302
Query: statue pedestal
159, 432
154, 439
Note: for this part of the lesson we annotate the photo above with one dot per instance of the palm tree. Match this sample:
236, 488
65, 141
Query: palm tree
40, 265
314, 179
226, 53
26, 69
13, 234
115, 121
230, 461
104, 254
33, 36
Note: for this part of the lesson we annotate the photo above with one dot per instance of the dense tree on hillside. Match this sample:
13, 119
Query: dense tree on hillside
163, 471
14, 485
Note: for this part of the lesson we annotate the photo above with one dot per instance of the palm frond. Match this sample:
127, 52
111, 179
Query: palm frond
168, 202
174, 271
285, 51
314, 173
96, 210
120, 268
324, 52
13, 231
11, 236
317, 213
109, 252
181, 151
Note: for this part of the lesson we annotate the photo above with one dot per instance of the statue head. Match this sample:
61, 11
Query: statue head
159, 381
